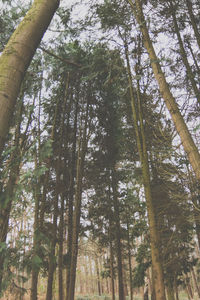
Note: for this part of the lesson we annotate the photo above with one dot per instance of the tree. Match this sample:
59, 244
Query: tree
17, 56
181, 127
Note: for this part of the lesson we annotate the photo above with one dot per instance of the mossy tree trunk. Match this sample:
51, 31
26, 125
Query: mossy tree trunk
17, 56
7, 195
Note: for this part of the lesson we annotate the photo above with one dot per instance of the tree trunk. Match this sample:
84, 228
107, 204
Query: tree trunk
117, 235
189, 288
181, 127
8, 193
142, 149
40, 203
170, 291
71, 202
61, 222
176, 289
184, 54
193, 21
146, 289
98, 274
17, 56
36, 243
129, 262
196, 283
77, 210
60, 251
52, 258
112, 275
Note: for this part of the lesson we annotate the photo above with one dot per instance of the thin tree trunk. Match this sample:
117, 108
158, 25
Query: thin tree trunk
61, 222
176, 289
77, 210
117, 235
36, 242
71, 203
17, 56
194, 57
129, 262
181, 127
98, 275
112, 275
60, 251
40, 203
189, 288
170, 291
193, 21
196, 283
52, 262
7, 195
183, 53
52, 258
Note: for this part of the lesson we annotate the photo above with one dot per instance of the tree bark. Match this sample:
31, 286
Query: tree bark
17, 56
181, 127
78, 202
117, 235
142, 150
8, 194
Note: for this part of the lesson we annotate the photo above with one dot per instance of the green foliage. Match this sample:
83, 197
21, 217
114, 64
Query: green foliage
46, 149
139, 274
12, 261
36, 262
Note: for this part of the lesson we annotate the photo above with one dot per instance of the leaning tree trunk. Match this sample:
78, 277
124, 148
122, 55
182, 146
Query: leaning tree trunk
193, 21
184, 54
17, 56
181, 127
143, 155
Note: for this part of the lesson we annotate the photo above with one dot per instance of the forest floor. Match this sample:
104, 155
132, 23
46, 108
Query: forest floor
182, 296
